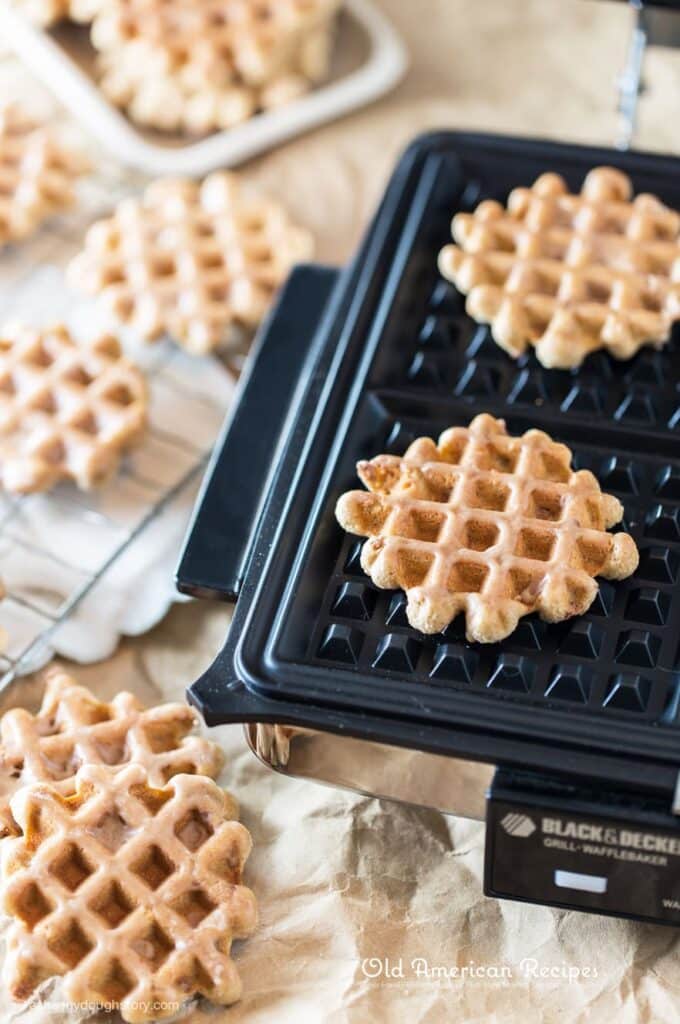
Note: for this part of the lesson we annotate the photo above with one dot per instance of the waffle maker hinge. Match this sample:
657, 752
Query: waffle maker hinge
218, 542
652, 27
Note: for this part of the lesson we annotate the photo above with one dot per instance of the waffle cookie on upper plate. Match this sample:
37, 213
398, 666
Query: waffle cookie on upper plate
190, 261
487, 524
570, 274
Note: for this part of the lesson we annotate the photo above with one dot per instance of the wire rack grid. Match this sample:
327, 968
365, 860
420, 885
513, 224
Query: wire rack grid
55, 548
32, 611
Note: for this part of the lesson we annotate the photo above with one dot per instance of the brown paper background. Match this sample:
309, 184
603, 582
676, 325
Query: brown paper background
342, 878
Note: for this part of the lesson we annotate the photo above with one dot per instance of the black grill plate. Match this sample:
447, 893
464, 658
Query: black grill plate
400, 359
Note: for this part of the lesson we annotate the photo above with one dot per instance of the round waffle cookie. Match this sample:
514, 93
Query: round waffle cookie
73, 728
37, 174
487, 524
570, 274
192, 261
67, 411
131, 893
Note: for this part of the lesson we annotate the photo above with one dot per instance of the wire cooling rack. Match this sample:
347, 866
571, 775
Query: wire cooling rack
55, 548
84, 539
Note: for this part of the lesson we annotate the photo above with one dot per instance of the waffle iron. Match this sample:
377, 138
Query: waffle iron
566, 737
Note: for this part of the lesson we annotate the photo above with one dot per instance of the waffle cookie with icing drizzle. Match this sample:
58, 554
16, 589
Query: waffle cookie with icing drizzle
486, 524
570, 274
130, 892
192, 261
73, 728
37, 174
68, 411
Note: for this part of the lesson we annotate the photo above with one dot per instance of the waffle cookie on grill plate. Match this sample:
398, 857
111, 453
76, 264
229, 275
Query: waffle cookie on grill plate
37, 174
195, 262
131, 893
487, 524
570, 274
68, 411
73, 728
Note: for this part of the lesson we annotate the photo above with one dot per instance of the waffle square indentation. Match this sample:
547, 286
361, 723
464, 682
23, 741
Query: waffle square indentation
341, 643
69, 943
512, 672
569, 682
354, 601
627, 692
453, 663
396, 652
618, 474
663, 523
667, 483
638, 647
659, 565
649, 605
583, 640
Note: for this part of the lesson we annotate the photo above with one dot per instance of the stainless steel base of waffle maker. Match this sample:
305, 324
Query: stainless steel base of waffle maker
566, 736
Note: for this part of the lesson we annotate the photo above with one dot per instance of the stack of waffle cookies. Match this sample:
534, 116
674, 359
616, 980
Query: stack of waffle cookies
178, 65
121, 859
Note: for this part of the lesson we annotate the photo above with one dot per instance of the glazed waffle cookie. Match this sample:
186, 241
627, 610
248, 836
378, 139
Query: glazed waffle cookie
73, 728
37, 174
486, 524
570, 274
68, 411
133, 894
192, 261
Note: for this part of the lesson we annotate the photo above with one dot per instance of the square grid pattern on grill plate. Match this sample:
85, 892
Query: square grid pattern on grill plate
622, 421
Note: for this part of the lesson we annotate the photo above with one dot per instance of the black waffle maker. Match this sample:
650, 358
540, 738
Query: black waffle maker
568, 735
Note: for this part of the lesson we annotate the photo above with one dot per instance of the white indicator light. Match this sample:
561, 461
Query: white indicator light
586, 883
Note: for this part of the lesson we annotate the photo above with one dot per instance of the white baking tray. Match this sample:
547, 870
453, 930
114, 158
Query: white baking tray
369, 60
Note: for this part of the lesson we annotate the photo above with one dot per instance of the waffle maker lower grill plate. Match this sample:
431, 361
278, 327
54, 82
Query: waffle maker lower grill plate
574, 727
